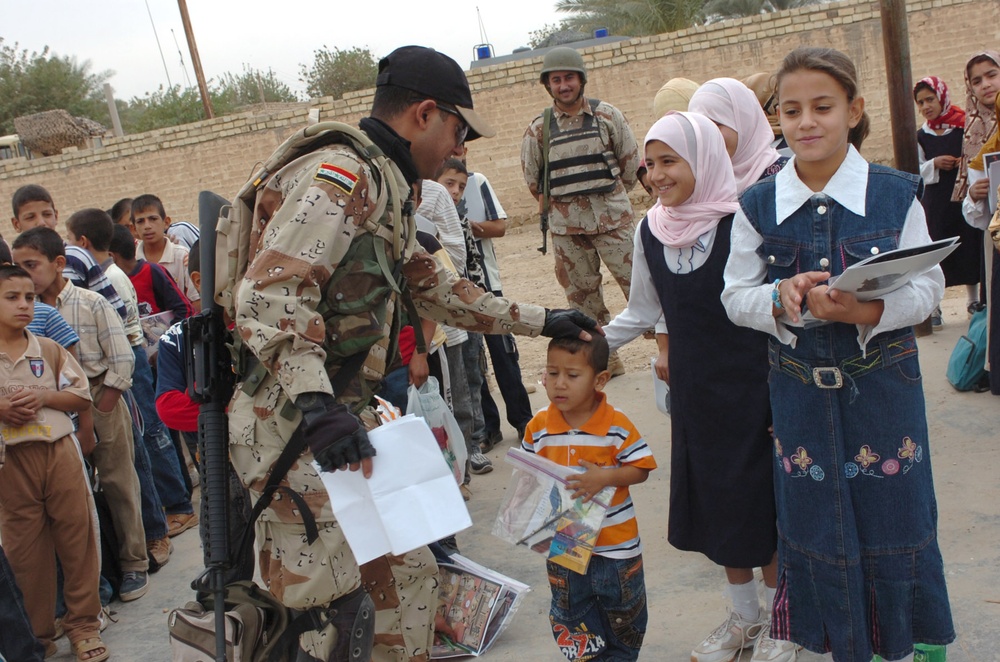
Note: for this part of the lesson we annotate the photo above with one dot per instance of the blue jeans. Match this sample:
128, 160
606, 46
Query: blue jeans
860, 571
600, 615
472, 350
17, 642
166, 468
154, 522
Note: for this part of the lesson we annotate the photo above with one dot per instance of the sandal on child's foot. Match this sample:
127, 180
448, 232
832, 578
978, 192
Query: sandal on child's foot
51, 649
92, 649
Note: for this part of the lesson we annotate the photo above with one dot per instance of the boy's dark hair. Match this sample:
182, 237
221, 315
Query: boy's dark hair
93, 224
122, 242
8, 271
29, 193
837, 66
194, 257
144, 202
5, 256
119, 208
43, 239
452, 164
596, 351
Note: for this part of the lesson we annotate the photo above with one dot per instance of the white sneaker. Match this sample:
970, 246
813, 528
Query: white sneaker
728, 640
773, 650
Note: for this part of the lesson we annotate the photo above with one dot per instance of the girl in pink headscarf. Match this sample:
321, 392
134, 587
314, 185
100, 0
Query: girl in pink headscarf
721, 484
734, 108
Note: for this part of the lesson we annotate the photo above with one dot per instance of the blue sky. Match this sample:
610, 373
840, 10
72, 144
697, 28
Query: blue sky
118, 35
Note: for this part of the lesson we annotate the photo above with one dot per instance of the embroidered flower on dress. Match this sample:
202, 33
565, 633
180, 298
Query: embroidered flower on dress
787, 465
777, 447
866, 457
801, 458
890, 467
908, 451
850, 469
817, 473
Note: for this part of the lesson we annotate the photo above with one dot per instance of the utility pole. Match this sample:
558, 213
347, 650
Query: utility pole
206, 101
896, 46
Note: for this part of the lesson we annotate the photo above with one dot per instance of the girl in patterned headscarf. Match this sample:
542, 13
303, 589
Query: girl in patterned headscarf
982, 81
939, 144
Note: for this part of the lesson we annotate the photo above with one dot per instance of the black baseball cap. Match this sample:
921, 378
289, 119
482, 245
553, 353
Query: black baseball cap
436, 76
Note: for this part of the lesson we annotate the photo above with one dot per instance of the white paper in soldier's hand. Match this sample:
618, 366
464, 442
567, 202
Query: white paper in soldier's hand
410, 500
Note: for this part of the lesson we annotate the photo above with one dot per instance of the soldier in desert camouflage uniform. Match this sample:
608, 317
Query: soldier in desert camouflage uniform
593, 161
308, 303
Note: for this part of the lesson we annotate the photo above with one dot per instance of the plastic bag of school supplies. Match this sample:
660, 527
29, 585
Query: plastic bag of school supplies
539, 512
426, 401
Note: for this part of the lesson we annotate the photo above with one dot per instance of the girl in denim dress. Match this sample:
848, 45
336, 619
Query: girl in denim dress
860, 571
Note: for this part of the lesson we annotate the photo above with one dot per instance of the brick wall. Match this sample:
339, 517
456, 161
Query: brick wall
220, 154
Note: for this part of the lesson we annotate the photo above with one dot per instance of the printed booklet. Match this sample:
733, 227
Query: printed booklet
477, 603
538, 511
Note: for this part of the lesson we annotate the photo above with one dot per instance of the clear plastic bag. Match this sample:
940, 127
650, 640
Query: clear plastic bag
426, 401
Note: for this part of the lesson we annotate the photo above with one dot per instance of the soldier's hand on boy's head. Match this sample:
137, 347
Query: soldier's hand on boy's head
568, 323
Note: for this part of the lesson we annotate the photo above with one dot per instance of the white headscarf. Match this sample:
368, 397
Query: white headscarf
697, 141
729, 102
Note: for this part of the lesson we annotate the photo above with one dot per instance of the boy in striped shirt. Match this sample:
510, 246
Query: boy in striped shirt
601, 614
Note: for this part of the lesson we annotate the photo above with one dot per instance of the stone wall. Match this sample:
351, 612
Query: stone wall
220, 154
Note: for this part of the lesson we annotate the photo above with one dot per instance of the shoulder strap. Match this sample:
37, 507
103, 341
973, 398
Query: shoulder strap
601, 128
546, 138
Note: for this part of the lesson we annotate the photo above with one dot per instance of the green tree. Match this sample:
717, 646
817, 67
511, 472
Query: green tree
251, 87
723, 9
631, 18
33, 82
334, 71
164, 107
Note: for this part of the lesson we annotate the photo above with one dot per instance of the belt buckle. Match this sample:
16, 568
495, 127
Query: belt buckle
822, 377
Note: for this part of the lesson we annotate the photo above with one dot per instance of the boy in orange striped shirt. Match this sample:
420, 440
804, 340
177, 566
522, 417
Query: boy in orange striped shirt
601, 614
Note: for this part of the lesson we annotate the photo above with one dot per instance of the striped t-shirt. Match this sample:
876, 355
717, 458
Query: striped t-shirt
608, 439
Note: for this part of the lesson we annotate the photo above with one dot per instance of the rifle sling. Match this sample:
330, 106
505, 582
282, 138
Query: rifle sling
289, 455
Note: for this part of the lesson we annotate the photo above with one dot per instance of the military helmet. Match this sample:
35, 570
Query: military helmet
562, 58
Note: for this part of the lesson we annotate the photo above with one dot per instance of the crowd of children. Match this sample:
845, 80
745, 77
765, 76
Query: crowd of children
805, 478
78, 413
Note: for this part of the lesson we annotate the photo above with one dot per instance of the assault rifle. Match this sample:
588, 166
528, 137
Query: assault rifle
210, 383
544, 223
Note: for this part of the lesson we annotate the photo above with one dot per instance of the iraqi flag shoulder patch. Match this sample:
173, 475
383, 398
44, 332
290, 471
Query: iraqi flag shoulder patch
37, 367
345, 180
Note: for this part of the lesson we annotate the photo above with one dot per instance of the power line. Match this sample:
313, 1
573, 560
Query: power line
158, 47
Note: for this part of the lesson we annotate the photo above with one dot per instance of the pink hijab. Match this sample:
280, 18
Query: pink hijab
697, 141
729, 102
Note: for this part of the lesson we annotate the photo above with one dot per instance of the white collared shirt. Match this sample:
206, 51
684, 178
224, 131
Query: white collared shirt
747, 296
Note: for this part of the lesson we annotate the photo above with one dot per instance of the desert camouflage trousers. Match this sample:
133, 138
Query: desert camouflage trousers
578, 267
301, 575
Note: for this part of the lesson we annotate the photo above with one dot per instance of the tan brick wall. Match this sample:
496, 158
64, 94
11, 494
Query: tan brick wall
220, 154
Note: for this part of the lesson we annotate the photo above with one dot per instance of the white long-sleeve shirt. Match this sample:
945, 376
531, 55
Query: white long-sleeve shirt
747, 295
977, 214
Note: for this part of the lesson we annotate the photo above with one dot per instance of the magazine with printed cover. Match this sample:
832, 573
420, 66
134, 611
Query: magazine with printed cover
477, 603
154, 326
540, 512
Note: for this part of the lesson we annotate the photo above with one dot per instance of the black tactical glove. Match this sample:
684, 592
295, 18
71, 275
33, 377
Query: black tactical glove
335, 436
567, 324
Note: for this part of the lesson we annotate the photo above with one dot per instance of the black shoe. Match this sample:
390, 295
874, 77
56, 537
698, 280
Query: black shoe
975, 307
520, 435
492, 439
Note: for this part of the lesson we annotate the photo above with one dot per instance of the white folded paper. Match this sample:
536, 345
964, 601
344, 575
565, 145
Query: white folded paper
410, 500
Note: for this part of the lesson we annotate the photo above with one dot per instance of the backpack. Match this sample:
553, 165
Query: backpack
967, 365
235, 227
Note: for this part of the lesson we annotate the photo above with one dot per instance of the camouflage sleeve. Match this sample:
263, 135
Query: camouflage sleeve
626, 148
315, 205
442, 296
531, 155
